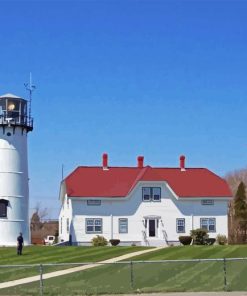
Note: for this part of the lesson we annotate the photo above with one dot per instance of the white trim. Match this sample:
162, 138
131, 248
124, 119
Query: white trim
10, 196
78, 198
200, 198
128, 197
8, 220
152, 217
11, 172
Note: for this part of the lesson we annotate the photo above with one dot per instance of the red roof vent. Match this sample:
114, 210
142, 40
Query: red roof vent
182, 163
140, 160
105, 161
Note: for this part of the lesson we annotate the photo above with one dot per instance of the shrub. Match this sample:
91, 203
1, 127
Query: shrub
99, 241
114, 242
185, 240
199, 235
221, 239
209, 241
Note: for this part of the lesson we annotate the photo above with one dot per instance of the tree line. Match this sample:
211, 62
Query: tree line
237, 214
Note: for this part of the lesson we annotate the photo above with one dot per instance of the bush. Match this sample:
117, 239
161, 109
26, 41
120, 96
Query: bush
99, 241
185, 240
221, 239
199, 235
209, 241
114, 242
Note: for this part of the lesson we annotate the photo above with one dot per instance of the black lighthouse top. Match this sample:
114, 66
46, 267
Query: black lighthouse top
13, 112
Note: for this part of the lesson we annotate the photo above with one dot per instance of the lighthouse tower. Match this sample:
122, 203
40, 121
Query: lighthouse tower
15, 123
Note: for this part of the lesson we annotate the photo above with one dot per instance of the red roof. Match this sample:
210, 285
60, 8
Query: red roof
120, 181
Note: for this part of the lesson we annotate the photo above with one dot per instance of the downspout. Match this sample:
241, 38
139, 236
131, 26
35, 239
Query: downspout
192, 222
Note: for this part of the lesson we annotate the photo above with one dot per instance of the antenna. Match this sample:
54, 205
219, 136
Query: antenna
30, 87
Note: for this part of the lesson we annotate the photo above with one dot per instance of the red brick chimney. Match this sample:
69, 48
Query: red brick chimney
182, 163
140, 161
105, 161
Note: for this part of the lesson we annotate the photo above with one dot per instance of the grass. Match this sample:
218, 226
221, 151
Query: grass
49, 254
196, 252
151, 277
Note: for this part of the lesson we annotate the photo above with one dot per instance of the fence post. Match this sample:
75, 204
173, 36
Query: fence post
131, 275
225, 279
41, 284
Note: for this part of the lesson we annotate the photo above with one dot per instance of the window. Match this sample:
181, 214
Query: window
94, 225
207, 202
67, 225
123, 225
146, 193
180, 225
93, 202
156, 193
209, 224
3, 208
151, 193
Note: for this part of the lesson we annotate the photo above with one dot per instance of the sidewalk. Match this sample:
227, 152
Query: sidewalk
187, 294
74, 269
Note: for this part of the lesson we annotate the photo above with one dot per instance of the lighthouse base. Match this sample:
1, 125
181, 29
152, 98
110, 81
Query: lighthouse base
10, 230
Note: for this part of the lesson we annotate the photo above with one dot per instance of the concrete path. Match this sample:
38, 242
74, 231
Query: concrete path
74, 269
187, 294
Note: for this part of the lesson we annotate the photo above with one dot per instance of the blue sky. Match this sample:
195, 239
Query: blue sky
153, 78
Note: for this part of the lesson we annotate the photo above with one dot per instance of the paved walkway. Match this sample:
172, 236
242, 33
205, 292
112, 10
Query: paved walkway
74, 269
187, 294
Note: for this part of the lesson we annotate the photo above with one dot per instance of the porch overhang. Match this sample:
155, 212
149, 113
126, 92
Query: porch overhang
152, 217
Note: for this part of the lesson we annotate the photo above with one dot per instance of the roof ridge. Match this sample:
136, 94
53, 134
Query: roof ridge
151, 167
99, 166
178, 168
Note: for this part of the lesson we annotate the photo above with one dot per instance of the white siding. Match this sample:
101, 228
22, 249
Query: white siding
65, 213
14, 185
132, 207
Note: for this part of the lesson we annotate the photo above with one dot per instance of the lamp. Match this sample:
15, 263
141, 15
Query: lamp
11, 107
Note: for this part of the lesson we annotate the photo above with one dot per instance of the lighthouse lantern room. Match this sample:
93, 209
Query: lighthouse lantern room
15, 123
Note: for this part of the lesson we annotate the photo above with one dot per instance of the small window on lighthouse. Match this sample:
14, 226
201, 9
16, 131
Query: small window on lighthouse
3, 208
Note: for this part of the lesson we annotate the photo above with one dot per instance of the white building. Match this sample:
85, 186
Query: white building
14, 193
141, 205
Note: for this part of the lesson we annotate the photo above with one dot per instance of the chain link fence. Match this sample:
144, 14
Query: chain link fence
227, 274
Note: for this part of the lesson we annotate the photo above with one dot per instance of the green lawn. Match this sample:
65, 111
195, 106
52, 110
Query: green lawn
50, 254
196, 252
151, 277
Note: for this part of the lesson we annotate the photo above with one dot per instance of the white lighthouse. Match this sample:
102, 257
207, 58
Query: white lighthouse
15, 123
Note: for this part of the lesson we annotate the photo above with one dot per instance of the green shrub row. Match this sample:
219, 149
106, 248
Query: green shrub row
101, 241
197, 237
200, 237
